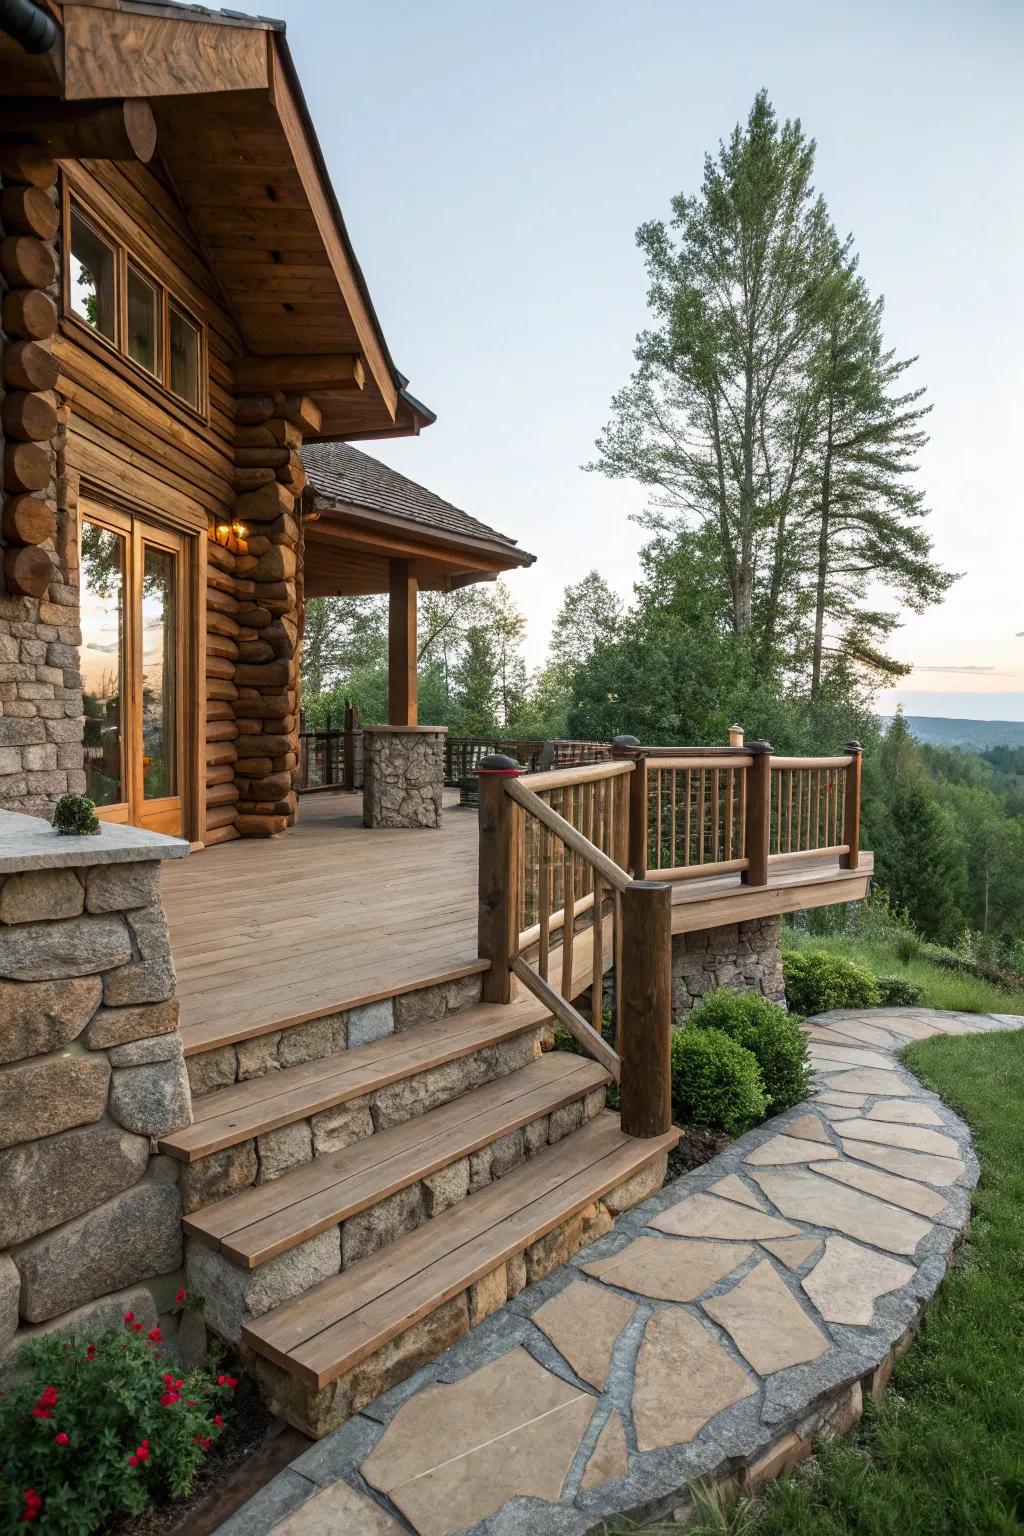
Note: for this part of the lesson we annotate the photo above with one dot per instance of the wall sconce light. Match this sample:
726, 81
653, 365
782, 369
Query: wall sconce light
230, 536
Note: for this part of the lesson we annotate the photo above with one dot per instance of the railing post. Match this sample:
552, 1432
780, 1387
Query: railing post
759, 812
644, 985
735, 735
629, 747
501, 827
851, 806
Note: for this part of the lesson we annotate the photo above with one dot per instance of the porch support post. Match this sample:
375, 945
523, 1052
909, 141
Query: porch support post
402, 681
644, 982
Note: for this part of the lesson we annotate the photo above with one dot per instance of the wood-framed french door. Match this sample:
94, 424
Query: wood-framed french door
134, 654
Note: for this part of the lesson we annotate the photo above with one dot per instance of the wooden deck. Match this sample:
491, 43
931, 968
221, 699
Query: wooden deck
269, 932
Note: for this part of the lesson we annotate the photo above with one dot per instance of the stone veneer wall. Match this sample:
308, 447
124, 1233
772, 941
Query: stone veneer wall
90, 1069
41, 754
743, 956
403, 775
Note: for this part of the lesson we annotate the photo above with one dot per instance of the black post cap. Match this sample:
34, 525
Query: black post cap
498, 762
625, 741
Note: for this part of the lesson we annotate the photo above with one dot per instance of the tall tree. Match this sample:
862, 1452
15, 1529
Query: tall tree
712, 418
860, 515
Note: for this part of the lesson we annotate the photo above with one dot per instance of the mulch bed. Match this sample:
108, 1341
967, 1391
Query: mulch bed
699, 1145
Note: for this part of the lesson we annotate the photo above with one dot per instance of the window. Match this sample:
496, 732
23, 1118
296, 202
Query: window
143, 336
185, 339
93, 264
110, 292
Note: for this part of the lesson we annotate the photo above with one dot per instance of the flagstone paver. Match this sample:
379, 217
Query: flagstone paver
848, 1279
767, 1323
583, 1323
683, 1378
904, 1114
793, 1251
789, 1149
887, 1186
668, 1268
705, 1216
808, 1127
782, 1274
733, 1188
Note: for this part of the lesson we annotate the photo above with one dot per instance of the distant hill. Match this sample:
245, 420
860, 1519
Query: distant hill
973, 735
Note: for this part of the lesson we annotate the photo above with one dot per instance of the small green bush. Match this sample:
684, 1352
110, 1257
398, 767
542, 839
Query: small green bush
773, 1038
818, 981
715, 1081
899, 992
75, 816
907, 947
100, 1430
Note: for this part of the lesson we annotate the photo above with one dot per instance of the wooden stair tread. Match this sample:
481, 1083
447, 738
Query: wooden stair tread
230, 1115
324, 1333
259, 1223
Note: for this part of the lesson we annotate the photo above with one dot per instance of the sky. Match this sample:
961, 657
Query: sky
493, 160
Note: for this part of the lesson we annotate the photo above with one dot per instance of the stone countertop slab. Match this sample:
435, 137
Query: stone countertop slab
29, 842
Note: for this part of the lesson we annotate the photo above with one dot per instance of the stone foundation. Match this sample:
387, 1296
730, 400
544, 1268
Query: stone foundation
742, 956
317, 1413
91, 1068
403, 775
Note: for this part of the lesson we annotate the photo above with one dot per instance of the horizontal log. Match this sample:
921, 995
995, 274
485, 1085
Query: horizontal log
261, 826
29, 211
220, 688
220, 773
304, 413
220, 645
29, 313
222, 581
220, 752
30, 366
244, 480
221, 730
254, 767
268, 706
255, 410
27, 163
220, 666
218, 835
270, 787
220, 709
293, 475
221, 624
29, 418
222, 794
320, 371
27, 466
264, 505
255, 650
223, 559
254, 615
271, 674
84, 130
219, 816
28, 520
265, 458
27, 570
276, 433
286, 806
27, 262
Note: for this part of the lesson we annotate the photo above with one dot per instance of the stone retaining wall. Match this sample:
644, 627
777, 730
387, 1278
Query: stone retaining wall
91, 1068
742, 956
403, 776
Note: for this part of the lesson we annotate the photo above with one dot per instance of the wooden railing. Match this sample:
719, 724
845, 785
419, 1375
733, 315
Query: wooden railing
462, 754
556, 901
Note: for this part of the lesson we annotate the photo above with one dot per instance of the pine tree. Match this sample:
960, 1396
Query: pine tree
922, 864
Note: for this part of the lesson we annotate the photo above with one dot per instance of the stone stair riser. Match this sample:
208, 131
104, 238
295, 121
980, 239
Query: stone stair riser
317, 1412
233, 1293
318, 1038
262, 1158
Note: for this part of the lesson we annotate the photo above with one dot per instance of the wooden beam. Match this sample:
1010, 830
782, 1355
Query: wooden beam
91, 130
260, 375
109, 52
402, 680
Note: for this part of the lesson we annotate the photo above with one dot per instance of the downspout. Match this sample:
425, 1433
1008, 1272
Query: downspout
28, 25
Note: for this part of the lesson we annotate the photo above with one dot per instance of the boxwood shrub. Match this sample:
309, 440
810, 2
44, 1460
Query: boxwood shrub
899, 992
770, 1034
817, 982
715, 1081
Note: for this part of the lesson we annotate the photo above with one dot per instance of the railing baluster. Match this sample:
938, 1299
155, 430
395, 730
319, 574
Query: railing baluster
715, 843
597, 959
702, 839
730, 774
689, 816
544, 901
568, 922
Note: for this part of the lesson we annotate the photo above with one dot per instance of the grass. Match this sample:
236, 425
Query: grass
954, 990
943, 1453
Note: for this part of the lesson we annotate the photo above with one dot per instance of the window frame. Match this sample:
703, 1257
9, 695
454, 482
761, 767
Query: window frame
124, 257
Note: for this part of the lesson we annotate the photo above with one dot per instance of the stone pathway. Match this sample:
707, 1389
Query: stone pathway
744, 1308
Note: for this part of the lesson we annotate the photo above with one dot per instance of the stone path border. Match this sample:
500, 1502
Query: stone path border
743, 1309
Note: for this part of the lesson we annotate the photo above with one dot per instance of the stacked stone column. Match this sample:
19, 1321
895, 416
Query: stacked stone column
40, 686
269, 477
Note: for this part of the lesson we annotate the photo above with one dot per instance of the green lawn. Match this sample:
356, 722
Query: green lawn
941, 988
943, 1454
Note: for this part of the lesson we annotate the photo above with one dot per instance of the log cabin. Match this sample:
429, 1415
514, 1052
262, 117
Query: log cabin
186, 329
351, 1054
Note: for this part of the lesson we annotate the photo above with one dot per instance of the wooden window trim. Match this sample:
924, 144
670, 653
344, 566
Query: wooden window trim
75, 327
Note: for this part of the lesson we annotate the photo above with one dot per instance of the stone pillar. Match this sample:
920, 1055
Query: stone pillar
41, 754
742, 956
403, 775
91, 1069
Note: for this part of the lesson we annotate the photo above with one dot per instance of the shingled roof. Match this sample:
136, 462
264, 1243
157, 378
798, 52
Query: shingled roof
341, 475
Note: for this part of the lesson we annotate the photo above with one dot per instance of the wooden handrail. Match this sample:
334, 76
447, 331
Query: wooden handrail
570, 835
566, 1014
698, 761
779, 763
586, 773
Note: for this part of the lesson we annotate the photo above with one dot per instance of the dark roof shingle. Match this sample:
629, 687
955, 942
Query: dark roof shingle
341, 473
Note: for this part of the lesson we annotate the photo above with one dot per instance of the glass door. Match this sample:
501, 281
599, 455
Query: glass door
132, 650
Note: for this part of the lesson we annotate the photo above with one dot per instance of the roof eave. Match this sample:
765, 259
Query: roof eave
496, 549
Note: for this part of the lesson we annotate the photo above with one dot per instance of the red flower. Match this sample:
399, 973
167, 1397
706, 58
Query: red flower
49, 1397
156, 1336
90, 1353
41, 1413
142, 1451
61, 1439
232, 1383
129, 1317
133, 1460
203, 1440
222, 1381
169, 1399
136, 1327
33, 1504
180, 1297
218, 1421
